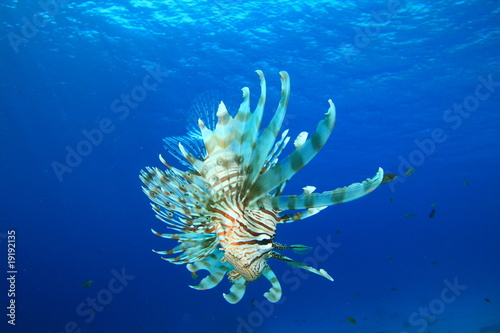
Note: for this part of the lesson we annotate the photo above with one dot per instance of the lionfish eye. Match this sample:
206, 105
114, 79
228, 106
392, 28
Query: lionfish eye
264, 241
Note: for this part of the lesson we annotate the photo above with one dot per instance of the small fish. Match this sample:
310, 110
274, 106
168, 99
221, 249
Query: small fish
394, 289
338, 231
434, 262
357, 294
388, 177
391, 199
466, 182
409, 172
409, 215
194, 275
341, 254
389, 259
487, 300
430, 319
87, 284
352, 320
432, 213
434, 204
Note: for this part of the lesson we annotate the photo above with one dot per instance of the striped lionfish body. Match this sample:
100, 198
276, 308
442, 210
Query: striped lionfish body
225, 208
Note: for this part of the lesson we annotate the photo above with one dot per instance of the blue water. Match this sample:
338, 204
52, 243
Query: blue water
410, 82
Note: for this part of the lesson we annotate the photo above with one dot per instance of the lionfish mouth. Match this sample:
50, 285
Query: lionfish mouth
224, 208
249, 271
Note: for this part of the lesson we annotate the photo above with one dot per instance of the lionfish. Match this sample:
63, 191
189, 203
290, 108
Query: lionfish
226, 206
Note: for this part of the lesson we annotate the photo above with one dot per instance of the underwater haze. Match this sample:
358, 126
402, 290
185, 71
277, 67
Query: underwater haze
90, 89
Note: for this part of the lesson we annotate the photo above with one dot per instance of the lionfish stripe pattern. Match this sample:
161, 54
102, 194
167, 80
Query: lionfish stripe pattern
225, 207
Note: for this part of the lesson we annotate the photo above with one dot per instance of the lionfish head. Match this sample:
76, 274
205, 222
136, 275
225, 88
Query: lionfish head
249, 265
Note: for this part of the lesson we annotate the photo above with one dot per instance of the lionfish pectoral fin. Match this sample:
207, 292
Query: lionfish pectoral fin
274, 294
328, 198
300, 215
214, 266
284, 170
237, 290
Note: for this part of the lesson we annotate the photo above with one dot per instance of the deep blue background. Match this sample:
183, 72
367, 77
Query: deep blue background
393, 82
